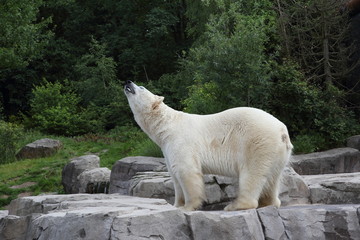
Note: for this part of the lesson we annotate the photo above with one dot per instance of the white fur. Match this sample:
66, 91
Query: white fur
242, 142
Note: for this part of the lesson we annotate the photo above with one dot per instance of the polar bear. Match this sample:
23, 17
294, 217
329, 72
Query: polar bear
246, 143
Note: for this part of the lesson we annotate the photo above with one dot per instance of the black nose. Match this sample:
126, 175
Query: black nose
128, 82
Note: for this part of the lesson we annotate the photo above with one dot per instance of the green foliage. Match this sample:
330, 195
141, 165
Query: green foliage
308, 143
230, 67
203, 56
55, 110
21, 37
9, 136
174, 87
98, 87
204, 98
315, 119
97, 74
1, 111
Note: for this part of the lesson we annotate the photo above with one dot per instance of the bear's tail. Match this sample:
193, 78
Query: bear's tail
286, 139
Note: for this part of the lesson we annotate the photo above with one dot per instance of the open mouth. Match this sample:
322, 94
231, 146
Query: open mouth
129, 87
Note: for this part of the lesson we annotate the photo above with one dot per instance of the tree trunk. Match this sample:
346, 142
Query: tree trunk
326, 52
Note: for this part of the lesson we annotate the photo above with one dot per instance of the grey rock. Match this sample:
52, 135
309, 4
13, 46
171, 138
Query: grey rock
334, 188
293, 189
89, 217
167, 224
321, 222
339, 160
272, 223
219, 190
72, 170
153, 185
123, 170
94, 223
94, 181
353, 142
3, 213
225, 225
114, 216
13, 227
160, 185
49, 203
41, 148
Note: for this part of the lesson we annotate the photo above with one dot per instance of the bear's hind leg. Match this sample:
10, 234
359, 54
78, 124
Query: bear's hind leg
250, 188
269, 196
267, 200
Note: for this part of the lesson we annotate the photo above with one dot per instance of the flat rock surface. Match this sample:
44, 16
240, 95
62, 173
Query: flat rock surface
334, 188
3, 213
338, 160
114, 216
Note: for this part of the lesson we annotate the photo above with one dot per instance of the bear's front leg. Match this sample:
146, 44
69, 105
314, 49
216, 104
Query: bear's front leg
192, 184
179, 195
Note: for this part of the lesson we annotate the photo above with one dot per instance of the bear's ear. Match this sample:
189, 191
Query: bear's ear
158, 101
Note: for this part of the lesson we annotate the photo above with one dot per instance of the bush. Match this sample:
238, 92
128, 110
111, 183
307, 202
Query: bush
55, 110
308, 143
9, 136
315, 118
231, 67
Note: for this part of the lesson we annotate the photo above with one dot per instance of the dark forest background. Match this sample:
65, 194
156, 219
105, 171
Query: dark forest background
63, 62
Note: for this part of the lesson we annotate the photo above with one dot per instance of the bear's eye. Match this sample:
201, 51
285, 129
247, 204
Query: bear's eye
141, 87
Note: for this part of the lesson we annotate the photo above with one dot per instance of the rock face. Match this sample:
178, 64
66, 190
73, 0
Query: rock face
113, 216
145, 177
218, 189
353, 142
124, 169
311, 222
41, 148
94, 181
340, 160
334, 188
72, 170
294, 189
225, 225
3, 213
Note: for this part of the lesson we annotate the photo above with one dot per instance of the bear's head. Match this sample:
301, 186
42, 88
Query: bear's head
140, 99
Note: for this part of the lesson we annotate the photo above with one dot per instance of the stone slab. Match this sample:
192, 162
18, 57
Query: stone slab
334, 188
339, 160
114, 216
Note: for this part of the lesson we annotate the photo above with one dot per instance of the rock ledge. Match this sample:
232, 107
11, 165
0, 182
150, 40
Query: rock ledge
114, 216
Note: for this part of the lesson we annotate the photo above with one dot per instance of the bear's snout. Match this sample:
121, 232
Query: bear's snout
129, 87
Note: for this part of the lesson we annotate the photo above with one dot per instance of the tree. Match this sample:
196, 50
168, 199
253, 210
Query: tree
98, 87
230, 68
143, 37
22, 38
315, 34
